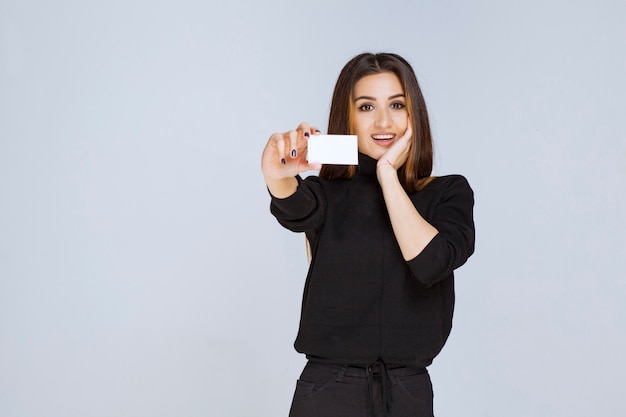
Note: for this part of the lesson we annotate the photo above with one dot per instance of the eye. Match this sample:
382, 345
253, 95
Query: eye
366, 107
398, 106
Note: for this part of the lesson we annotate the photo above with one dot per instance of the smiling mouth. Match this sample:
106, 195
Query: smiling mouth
383, 137
384, 140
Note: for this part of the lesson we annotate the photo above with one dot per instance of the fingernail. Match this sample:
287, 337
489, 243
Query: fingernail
282, 161
306, 134
293, 153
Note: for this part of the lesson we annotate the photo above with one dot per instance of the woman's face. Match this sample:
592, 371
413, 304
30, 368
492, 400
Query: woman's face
380, 113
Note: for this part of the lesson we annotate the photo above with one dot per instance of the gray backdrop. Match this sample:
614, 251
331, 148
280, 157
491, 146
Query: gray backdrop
141, 273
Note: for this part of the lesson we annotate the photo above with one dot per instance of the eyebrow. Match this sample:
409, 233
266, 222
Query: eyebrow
374, 99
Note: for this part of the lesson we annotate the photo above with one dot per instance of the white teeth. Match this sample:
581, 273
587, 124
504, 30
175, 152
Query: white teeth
382, 137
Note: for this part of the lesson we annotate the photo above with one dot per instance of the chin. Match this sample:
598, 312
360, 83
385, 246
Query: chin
377, 155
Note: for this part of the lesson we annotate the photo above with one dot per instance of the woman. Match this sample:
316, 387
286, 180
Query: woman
385, 238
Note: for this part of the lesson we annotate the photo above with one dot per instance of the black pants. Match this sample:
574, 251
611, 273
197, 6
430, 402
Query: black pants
337, 391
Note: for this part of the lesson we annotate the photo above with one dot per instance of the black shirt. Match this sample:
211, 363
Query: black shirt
362, 301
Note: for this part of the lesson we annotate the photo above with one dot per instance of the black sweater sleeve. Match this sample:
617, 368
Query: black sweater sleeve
303, 210
453, 245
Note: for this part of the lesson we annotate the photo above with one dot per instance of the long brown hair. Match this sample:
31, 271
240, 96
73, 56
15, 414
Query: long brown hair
415, 172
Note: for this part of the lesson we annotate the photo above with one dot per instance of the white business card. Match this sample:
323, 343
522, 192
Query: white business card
333, 149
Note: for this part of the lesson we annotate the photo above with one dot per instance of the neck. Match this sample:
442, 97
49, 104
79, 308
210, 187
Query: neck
367, 165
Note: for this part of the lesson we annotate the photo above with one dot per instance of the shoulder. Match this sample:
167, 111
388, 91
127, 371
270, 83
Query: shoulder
447, 190
452, 179
448, 183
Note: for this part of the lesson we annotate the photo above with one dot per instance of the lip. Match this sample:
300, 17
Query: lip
383, 138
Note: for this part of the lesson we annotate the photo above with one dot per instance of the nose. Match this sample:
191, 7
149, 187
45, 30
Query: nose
383, 118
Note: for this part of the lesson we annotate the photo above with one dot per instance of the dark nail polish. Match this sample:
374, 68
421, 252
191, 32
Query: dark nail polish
282, 161
306, 134
293, 153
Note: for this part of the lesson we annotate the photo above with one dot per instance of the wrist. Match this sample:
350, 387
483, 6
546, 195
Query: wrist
282, 187
385, 170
